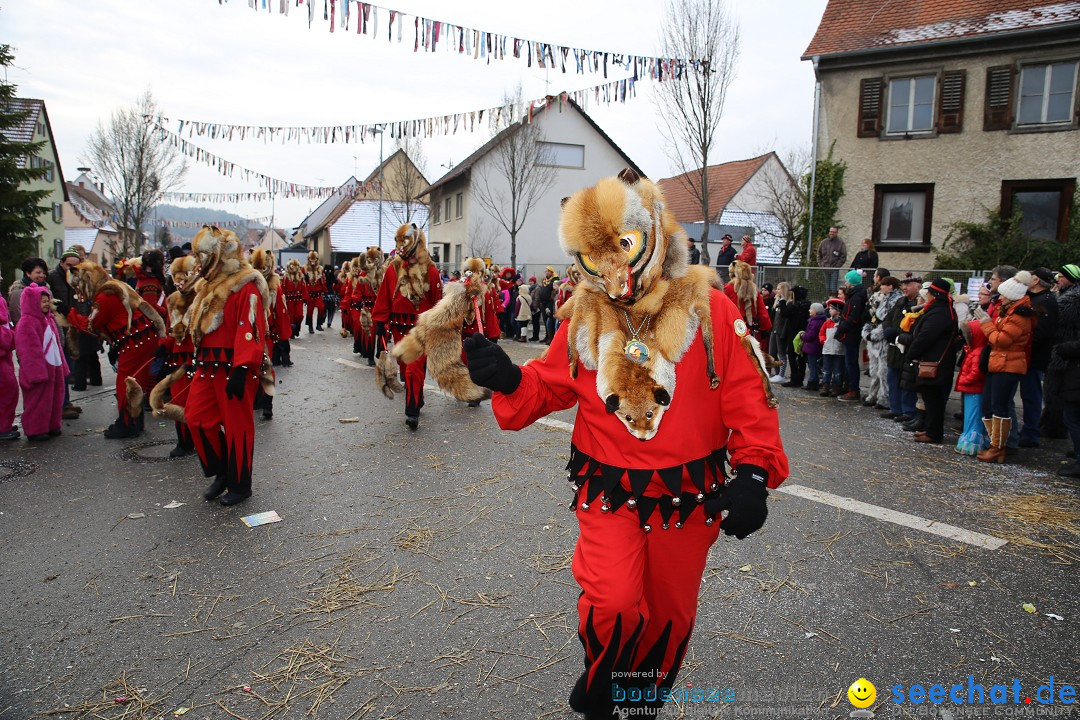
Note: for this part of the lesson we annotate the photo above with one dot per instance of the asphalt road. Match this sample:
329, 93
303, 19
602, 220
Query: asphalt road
427, 575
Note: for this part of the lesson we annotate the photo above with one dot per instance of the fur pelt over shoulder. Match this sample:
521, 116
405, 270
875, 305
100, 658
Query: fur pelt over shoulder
373, 264
172, 411
224, 271
293, 271
411, 261
437, 334
88, 279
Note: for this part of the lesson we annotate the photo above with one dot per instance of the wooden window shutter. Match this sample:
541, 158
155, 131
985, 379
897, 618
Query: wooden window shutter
951, 102
999, 97
870, 92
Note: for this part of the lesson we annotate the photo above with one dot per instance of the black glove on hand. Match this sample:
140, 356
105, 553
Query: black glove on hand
744, 499
237, 382
490, 366
161, 352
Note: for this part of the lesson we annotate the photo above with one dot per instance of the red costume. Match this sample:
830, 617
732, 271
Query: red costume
397, 313
135, 351
230, 343
279, 327
748, 255
293, 286
762, 321
363, 298
314, 289
638, 605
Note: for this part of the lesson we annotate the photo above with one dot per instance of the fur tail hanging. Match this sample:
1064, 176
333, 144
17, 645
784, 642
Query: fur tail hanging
153, 316
164, 410
133, 395
753, 349
455, 380
409, 348
267, 379
386, 375
365, 321
71, 336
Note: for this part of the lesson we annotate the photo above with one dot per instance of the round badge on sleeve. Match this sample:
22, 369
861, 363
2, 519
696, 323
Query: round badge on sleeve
740, 328
247, 336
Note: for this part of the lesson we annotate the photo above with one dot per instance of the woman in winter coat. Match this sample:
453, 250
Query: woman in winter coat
796, 313
776, 349
866, 258
811, 345
1063, 371
1009, 335
42, 367
970, 382
934, 339
9, 387
524, 313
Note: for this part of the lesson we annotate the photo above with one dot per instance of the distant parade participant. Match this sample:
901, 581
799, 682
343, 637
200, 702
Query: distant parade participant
178, 349
277, 319
314, 290
411, 285
228, 328
346, 284
293, 285
134, 337
366, 286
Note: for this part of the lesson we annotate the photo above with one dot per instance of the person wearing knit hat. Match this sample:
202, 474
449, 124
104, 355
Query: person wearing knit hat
1071, 275
1043, 337
934, 340
811, 346
1009, 334
1063, 371
849, 332
853, 277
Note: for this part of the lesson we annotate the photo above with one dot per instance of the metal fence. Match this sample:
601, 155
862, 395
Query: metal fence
821, 283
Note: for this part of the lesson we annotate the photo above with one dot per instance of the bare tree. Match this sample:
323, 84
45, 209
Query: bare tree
516, 173
483, 238
691, 102
780, 192
135, 166
404, 177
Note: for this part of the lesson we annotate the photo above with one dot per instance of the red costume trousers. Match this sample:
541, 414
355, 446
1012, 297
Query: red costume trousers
414, 374
312, 304
223, 428
363, 341
637, 606
134, 361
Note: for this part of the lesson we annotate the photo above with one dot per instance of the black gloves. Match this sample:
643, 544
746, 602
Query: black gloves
161, 353
380, 331
744, 499
237, 382
490, 366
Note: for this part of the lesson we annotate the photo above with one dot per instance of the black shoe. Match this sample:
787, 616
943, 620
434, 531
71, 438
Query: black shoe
319, 328
11, 434
371, 362
95, 383
39, 437
215, 488
412, 422
813, 386
268, 413
914, 426
232, 498
474, 403
1072, 471
179, 451
901, 418
116, 431
1029, 443
54, 433
79, 388
789, 383
889, 415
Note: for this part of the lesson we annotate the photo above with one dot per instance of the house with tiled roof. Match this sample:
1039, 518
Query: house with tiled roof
579, 150
35, 127
741, 202
944, 109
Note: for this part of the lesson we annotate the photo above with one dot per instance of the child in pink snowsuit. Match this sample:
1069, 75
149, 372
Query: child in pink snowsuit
42, 367
9, 388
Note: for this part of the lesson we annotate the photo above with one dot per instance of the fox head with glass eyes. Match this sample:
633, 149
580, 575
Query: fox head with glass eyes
622, 237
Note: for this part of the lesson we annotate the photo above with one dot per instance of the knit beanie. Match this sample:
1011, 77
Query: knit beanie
853, 277
818, 308
1072, 272
1015, 287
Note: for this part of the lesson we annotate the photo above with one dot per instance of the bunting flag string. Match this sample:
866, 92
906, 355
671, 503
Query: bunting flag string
280, 188
616, 91
477, 44
216, 198
217, 223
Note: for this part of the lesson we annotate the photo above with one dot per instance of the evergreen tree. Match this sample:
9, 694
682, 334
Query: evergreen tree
20, 209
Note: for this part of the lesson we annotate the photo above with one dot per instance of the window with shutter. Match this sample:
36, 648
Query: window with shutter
951, 102
870, 91
999, 98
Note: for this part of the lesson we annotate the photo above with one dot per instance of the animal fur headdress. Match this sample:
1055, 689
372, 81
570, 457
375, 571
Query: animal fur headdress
263, 261
88, 279
223, 268
411, 261
313, 270
184, 278
293, 271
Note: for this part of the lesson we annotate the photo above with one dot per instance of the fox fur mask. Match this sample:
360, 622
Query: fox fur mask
624, 239
224, 271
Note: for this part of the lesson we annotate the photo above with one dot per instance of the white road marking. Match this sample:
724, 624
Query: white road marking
911, 521
820, 496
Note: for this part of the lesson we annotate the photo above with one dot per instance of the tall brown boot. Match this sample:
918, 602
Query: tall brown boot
999, 432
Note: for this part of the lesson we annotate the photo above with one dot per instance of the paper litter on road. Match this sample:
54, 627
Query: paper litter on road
262, 518
173, 505
136, 516
349, 420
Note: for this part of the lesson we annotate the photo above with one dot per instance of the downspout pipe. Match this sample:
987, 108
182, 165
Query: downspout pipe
813, 161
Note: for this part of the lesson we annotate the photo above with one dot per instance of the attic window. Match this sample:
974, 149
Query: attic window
1047, 94
561, 155
911, 105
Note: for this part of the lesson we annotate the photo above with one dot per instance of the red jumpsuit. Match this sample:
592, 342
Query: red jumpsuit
180, 354
223, 426
640, 579
314, 287
345, 304
135, 347
279, 327
363, 299
398, 314
294, 296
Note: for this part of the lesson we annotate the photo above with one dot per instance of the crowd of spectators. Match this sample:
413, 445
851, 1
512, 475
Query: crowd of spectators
913, 343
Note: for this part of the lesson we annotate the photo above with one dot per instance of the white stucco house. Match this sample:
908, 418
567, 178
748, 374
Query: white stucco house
576, 146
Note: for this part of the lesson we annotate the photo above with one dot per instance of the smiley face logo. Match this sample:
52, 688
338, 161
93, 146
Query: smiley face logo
862, 693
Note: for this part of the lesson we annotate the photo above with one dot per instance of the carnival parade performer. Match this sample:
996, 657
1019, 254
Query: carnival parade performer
314, 290
410, 285
277, 318
228, 328
648, 509
177, 346
293, 285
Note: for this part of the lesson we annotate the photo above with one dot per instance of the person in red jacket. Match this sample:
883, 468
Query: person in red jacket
970, 381
648, 509
749, 253
177, 347
135, 343
293, 286
314, 289
277, 319
411, 285
367, 284
228, 329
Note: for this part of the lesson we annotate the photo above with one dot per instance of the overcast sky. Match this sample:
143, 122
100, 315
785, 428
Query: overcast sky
228, 63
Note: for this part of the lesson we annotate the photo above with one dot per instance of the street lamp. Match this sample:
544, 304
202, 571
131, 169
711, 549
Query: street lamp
379, 129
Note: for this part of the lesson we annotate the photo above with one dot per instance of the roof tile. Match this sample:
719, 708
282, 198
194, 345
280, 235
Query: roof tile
724, 181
